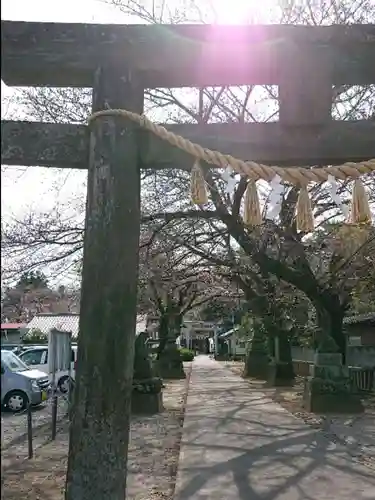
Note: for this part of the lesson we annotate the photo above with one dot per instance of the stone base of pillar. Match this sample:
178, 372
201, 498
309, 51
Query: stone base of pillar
146, 404
330, 396
256, 365
169, 365
280, 374
328, 389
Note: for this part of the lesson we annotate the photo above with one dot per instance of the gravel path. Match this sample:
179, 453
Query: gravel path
14, 426
153, 457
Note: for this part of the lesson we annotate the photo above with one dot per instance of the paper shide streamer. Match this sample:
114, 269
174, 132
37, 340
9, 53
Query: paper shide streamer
230, 181
333, 189
275, 198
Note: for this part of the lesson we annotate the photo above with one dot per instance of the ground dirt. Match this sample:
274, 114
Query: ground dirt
153, 456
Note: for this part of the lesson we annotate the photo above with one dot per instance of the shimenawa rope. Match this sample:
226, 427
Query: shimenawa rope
299, 176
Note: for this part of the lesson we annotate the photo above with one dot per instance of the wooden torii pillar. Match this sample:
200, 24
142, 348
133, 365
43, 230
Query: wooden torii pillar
119, 62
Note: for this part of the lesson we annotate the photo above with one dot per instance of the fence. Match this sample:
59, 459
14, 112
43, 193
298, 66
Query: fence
360, 359
359, 356
22, 432
363, 379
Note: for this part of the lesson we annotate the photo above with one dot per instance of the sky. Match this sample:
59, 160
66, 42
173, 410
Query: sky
25, 189
35, 189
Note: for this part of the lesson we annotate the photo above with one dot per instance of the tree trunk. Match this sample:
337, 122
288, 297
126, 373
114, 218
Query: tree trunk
163, 333
330, 322
284, 370
271, 346
178, 319
257, 357
169, 329
169, 363
99, 432
285, 349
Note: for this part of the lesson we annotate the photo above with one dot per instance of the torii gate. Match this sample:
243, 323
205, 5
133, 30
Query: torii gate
119, 62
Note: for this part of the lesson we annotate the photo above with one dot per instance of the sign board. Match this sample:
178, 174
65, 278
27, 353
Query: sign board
59, 351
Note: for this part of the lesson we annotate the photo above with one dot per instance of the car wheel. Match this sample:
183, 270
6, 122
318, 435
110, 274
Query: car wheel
16, 401
64, 384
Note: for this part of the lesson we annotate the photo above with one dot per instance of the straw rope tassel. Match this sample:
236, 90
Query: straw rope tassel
304, 216
198, 185
360, 212
252, 215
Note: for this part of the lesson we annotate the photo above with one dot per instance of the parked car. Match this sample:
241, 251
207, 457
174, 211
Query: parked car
15, 348
37, 357
24, 347
21, 385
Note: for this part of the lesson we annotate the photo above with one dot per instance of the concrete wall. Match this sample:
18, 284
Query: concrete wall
366, 332
362, 356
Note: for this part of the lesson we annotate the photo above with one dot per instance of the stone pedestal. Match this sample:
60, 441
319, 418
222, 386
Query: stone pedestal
221, 357
147, 396
328, 388
280, 374
256, 365
257, 359
146, 404
169, 365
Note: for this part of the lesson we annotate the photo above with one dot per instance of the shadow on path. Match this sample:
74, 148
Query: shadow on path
238, 445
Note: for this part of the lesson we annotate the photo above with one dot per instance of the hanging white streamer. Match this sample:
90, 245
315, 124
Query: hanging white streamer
275, 199
335, 197
230, 180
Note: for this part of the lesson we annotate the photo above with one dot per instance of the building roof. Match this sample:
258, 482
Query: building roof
12, 326
229, 333
359, 318
67, 322
45, 322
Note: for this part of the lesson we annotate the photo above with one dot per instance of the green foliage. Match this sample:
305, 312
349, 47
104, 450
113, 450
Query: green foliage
186, 354
223, 312
169, 363
328, 386
152, 385
246, 329
32, 279
35, 336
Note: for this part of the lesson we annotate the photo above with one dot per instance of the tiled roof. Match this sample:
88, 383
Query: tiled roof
359, 318
65, 322
12, 326
68, 322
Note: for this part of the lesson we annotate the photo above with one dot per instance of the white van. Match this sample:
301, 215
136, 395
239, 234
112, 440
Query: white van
37, 357
21, 385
